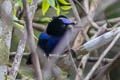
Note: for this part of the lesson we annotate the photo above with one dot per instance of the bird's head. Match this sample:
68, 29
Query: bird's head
58, 26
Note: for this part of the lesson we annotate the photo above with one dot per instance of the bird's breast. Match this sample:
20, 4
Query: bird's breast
48, 43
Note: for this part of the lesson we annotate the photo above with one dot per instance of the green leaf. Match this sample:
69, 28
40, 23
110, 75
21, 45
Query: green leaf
45, 6
66, 7
20, 3
46, 19
19, 26
64, 13
35, 37
15, 18
29, 1
52, 3
58, 10
14, 12
63, 2
18, 0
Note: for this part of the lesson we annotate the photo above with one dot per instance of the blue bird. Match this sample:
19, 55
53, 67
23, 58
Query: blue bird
56, 29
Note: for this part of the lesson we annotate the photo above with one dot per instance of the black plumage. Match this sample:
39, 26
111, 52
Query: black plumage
56, 29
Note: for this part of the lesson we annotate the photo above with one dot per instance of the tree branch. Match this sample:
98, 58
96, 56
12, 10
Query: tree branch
36, 26
107, 68
28, 22
18, 57
101, 58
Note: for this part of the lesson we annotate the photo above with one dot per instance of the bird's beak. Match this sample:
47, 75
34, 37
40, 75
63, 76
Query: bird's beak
71, 25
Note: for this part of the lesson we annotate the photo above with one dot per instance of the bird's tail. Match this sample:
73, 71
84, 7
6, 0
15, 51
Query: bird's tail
29, 59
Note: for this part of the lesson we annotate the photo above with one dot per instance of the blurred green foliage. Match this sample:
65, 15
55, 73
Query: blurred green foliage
113, 11
56, 4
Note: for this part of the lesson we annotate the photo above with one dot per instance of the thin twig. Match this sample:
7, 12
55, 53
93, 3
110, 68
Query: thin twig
73, 62
75, 11
36, 26
95, 59
90, 12
112, 64
114, 20
92, 22
90, 59
13, 54
107, 68
80, 6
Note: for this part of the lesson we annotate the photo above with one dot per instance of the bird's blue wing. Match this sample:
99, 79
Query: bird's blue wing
52, 42
42, 41
48, 43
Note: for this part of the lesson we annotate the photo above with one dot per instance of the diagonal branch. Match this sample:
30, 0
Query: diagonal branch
75, 11
28, 22
18, 57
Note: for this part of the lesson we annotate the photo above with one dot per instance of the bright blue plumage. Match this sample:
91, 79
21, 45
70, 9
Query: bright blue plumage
47, 43
66, 21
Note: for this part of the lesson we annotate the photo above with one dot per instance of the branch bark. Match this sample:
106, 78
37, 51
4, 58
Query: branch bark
29, 29
18, 57
107, 68
101, 57
36, 26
